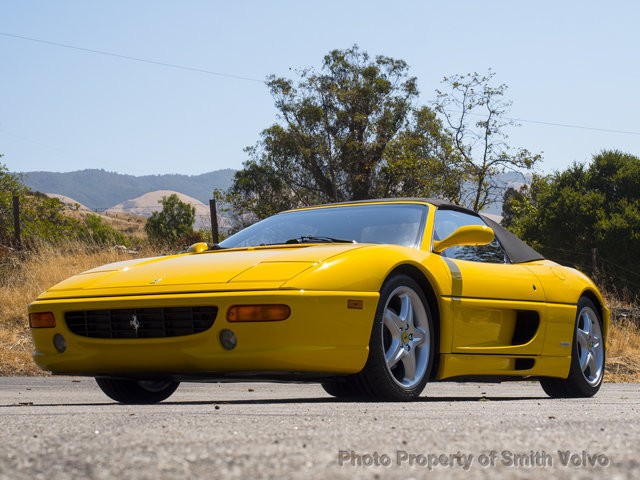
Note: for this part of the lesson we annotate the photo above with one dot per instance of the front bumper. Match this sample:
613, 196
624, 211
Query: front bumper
324, 334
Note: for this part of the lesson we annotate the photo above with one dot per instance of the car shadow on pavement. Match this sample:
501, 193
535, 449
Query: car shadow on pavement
307, 400
285, 401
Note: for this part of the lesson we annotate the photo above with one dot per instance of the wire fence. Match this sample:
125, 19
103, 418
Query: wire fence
622, 281
11, 233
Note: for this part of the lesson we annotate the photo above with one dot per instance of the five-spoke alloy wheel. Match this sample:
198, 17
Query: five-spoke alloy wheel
405, 336
587, 356
401, 348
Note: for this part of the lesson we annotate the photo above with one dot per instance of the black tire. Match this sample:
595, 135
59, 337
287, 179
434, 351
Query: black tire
398, 378
585, 376
137, 391
341, 388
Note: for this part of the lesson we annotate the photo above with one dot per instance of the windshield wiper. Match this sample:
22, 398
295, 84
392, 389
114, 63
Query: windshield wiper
318, 239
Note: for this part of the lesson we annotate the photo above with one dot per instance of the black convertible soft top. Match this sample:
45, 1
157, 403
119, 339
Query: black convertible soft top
516, 249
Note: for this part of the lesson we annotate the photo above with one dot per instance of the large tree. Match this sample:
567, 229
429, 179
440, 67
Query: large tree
476, 113
347, 132
569, 213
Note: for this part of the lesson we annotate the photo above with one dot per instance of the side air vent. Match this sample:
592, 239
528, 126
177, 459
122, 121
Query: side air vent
527, 323
524, 363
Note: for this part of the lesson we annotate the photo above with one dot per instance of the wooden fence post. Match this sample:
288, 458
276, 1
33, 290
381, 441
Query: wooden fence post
214, 221
16, 222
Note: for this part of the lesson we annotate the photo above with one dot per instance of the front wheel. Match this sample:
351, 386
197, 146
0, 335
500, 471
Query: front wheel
345, 387
587, 357
137, 391
401, 347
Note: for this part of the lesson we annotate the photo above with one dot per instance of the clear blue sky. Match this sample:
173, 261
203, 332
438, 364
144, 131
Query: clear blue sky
61, 109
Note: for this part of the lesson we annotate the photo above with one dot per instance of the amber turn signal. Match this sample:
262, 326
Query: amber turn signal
42, 320
258, 313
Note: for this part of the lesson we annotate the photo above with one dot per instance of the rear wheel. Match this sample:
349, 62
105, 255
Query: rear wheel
137, 391
587, 357
401, 347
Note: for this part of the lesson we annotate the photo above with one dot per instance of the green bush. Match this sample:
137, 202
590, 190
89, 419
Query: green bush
173, 225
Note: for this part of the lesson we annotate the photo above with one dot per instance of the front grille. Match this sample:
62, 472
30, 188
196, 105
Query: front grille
141, 322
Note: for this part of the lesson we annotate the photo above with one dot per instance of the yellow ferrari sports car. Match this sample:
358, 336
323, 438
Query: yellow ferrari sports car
372, 299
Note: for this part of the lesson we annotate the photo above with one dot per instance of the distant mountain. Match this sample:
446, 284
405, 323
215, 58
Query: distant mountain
100, 190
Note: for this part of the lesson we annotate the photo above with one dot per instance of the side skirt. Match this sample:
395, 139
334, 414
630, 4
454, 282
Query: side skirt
467, 365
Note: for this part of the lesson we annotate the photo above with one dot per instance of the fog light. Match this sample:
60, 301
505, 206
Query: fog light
59, 342
228, 339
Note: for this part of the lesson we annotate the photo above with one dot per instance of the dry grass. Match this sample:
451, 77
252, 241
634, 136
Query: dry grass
623, 354
22, 280
128, 224
131, 225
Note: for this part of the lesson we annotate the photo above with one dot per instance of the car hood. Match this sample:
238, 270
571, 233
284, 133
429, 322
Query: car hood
256, 268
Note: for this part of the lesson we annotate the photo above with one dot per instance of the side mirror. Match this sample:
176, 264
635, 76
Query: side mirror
198, 247
465, 235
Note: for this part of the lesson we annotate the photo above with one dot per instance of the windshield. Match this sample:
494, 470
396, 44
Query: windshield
400, 224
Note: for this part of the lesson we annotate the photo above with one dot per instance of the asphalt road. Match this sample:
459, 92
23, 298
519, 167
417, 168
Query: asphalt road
65, 428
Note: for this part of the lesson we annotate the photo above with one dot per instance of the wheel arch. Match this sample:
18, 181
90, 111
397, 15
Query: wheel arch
604, 313
425, 285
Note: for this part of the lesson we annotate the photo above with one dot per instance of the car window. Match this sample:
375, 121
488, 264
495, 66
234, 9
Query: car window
448, 221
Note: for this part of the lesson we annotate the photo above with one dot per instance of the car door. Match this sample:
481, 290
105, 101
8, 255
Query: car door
497, 307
